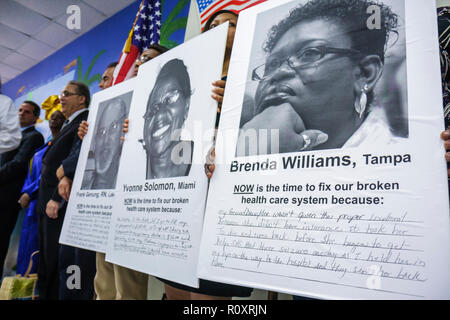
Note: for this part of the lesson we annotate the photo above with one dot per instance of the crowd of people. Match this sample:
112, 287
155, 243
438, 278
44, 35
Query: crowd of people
37, 175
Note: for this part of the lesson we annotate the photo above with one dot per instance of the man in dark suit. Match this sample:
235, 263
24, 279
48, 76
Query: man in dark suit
70, 256
13, 171
75, 99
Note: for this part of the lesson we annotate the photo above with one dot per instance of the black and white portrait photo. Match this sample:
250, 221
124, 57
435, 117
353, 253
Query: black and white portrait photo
165, 115
332, 109
171, 128
326, 75
106, 146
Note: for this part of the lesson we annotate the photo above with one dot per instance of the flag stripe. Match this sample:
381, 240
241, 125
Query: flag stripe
144, 32
127, 62
213, 7
235, 6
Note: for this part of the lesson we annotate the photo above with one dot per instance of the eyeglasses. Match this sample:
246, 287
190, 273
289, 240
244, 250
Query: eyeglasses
143, 59
67, 94
302, 59
109, 129
167, 100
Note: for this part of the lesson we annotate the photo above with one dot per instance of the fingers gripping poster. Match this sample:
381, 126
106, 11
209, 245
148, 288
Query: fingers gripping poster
330, 177
162, 186
88, 215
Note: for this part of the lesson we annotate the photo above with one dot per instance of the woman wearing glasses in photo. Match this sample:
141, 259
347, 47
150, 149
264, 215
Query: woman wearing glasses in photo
317, 84
210, 290
148, 54
167, 110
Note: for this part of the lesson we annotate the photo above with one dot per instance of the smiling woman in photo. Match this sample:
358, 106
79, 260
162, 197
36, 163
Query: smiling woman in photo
167, 110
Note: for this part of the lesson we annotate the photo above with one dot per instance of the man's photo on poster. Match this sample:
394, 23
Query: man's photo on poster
106, 146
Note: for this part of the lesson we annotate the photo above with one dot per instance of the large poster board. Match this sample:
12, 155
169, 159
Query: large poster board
88, 215
162, 186
330, 174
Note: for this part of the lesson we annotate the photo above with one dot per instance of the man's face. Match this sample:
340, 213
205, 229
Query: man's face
166, 112
146, 55
26, 116
71, 101
107, 140
106, 78
321, 92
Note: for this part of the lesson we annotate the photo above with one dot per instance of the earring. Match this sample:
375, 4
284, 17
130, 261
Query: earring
361, 102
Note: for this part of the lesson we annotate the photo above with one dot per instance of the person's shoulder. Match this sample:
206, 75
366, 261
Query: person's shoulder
85, 114
81, 116
75, 123
32, 133
38, 134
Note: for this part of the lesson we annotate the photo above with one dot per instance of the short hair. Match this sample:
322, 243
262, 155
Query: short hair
351, 13
161, 49
214, 15
36, 108
112, 65
82, 90
175, 68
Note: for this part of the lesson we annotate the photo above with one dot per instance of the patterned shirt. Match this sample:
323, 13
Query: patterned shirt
444, 41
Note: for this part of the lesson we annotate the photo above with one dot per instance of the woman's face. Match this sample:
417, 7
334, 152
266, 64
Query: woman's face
145, 56
56, 120
166, 112
322, 93
222, 18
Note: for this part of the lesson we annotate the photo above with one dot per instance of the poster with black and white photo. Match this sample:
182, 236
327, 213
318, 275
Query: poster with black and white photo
330, 177
86, 223
162, 185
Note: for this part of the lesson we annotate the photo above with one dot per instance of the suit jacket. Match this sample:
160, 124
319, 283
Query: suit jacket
14, 167
70, 163
59, 149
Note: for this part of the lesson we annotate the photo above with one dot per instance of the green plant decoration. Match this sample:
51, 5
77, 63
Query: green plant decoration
172, 23
86, 79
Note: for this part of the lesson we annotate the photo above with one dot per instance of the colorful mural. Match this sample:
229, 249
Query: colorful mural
86, 58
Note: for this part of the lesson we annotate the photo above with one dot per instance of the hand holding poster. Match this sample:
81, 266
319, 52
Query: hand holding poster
89, 210
335, 185
162, 186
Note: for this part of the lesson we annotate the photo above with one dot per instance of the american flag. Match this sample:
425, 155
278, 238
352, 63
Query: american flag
208, 7
145, 31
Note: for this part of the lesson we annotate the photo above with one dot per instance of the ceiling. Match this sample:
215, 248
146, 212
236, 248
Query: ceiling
31, 30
